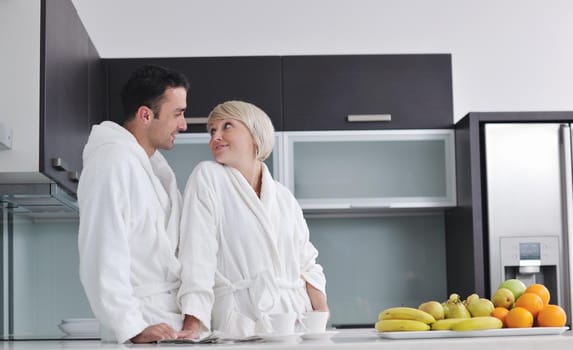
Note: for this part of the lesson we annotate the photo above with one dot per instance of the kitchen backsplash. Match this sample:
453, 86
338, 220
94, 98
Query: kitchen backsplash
370, 263
374, 263
46, 285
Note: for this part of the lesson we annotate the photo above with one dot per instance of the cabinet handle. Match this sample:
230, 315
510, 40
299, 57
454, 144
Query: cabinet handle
357, 118
196, 120
74, 176
59, 164
370, 206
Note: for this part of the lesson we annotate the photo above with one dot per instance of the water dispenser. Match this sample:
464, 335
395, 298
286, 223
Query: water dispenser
532, 260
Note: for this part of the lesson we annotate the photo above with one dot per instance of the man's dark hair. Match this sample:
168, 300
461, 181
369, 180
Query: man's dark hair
146, 86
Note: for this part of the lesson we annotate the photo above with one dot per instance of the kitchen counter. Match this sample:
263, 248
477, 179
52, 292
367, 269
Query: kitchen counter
345, 339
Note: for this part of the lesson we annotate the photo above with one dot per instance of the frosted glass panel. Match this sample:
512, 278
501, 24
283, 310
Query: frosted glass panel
337, 169
375, 263
46, 282
185, 156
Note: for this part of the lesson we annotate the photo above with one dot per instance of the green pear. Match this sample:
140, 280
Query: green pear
471, 298
434, 308
503, 297
456, 308
480, 307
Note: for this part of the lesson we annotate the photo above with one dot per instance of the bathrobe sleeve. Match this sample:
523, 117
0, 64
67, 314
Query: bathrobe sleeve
103, 243
198, 247
310, 271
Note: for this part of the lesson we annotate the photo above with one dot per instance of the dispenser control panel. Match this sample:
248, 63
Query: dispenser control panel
529, 251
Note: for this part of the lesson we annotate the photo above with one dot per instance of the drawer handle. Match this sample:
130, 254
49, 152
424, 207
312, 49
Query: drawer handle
196, 120
358, 118
59, 164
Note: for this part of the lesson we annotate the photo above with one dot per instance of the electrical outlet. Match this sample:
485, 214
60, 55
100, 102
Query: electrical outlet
5, 137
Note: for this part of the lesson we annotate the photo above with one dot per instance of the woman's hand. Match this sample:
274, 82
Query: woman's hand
154, 333
317, 299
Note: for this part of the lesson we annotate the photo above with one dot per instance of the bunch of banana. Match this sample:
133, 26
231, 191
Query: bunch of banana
467, 324
478, 323
397, 319
446, 324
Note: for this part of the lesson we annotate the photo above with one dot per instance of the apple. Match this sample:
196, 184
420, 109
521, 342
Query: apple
515, 286
434, 308
503, 297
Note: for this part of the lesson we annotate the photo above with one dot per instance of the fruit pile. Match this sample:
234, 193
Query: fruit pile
518, 306
513, 305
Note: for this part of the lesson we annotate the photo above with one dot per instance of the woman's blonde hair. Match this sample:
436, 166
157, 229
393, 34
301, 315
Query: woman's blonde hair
256, 120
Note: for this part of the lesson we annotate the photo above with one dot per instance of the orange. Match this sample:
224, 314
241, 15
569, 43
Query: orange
551, 316
531, 302
519, 317
500, 313
540, 290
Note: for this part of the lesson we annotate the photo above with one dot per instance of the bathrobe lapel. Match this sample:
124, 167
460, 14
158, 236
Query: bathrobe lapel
260, 207
164, 185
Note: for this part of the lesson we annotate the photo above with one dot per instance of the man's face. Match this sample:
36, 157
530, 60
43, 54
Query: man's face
171, 119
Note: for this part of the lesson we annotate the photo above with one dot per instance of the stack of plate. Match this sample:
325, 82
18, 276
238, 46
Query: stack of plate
80, 327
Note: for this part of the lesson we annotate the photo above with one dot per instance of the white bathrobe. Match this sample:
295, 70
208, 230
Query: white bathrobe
129, 219
242, 257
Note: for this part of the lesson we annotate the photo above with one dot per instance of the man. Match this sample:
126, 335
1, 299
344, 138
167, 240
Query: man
130, 210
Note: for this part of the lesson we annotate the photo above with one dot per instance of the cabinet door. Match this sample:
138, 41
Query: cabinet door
212, 80
370, 169
404, 91
64, 116
192, 148
96, 88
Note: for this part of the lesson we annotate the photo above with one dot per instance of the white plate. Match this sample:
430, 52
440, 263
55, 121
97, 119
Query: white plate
79, 320
319, 336
483, 333
80, 329
280, 337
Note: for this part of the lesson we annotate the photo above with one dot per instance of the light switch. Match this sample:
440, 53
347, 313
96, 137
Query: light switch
5, 137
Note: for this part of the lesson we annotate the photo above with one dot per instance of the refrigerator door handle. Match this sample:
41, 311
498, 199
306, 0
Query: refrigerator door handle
567, 180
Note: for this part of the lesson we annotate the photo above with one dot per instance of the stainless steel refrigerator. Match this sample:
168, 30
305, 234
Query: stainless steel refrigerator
529, 205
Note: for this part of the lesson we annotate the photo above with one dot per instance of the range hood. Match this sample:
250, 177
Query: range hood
36, 196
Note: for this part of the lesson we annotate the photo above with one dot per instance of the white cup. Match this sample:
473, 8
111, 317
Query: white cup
283, 323
315, 321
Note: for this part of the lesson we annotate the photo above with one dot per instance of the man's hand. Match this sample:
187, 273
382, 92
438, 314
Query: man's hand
154, 333
188, 334
190, 329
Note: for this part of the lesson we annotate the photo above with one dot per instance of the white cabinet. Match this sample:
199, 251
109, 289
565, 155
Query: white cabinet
349, 169
370, 169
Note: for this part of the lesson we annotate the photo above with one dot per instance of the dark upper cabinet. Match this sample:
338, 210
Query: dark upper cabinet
212, 80
320, 92
71, 92
96, 87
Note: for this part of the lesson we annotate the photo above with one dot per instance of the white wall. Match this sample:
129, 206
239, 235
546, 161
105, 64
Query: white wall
507, 55
20, 82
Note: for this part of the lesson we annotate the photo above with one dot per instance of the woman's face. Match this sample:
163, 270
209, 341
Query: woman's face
231, 142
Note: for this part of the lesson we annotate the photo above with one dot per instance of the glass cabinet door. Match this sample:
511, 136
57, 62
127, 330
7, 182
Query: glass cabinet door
191, 149
370, 169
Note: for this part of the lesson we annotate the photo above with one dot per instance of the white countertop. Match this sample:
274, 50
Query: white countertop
345, 339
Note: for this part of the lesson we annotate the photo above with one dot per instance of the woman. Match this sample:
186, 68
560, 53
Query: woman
244, 246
